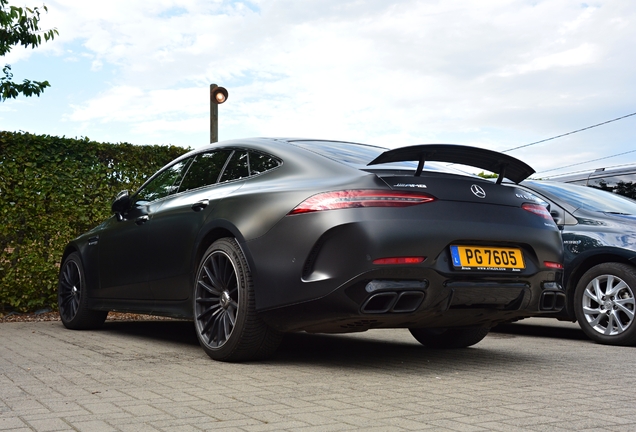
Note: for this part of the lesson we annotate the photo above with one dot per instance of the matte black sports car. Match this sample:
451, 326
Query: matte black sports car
599, 237
257, 237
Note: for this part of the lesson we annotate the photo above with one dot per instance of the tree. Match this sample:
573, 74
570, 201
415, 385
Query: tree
20, 26
487, 175
627, 189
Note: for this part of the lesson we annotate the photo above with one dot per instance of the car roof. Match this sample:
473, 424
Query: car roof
290, 149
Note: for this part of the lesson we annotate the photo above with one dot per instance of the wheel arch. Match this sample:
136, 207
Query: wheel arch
69, 249
212, 233
84, 317
91, 277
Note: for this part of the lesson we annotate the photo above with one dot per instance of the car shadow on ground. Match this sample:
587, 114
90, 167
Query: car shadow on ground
172, 331
356, 351
370, 350
182, 331
546, 331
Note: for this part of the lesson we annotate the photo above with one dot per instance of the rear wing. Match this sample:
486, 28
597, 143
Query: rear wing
499, 163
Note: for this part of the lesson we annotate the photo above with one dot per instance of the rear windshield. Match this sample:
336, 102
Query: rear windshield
359, 155
588, 198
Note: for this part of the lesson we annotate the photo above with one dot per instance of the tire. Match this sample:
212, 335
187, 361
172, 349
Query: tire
225, 318
72, 297
453, 337
604, 303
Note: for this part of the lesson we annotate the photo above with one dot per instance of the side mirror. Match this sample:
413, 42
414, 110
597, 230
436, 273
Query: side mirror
121, 203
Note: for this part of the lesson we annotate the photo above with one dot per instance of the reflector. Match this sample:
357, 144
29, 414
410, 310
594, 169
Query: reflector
399, 260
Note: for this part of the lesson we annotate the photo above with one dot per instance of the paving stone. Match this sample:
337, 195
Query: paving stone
8, 423
49, 425
128, 377
93, 426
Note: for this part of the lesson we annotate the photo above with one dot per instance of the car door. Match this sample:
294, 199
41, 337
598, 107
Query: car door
176, 225
124, 247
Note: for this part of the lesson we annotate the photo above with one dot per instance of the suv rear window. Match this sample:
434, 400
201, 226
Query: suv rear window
588, 198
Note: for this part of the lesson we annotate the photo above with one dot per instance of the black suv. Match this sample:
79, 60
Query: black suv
618, 180
599, 238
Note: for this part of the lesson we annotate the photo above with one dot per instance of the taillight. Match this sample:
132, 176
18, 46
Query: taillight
360, 198
553, 265
399, 260
537, 209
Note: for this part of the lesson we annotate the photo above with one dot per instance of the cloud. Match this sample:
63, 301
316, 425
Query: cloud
582, 55
131, 104
495, 73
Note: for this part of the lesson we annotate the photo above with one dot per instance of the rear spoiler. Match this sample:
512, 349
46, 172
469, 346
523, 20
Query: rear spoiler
499, 163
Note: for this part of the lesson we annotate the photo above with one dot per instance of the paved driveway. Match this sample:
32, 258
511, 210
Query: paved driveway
152, 376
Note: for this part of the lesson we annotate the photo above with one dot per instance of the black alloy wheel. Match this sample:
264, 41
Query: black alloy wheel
72, 298
226, 323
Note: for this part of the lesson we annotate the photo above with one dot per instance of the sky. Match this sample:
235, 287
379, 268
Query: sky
496, 74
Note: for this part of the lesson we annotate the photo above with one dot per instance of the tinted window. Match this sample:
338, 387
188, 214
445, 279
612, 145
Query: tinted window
205, 170
237, 167
359, 155
621, 181
349, 153
617, 184
259, 163
579, 182
164, 184
588, 198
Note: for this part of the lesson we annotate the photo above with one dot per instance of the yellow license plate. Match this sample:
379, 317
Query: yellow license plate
487, 258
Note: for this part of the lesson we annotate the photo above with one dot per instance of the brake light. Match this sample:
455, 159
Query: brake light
360, 198
537, 209
399, 260
553, 265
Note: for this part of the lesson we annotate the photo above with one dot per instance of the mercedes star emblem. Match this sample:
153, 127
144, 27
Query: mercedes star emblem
478, 191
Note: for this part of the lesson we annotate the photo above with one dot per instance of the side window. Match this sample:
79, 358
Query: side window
580, 182
164, 184
205, 170
603, 184
616, 185
237, 167
259, 163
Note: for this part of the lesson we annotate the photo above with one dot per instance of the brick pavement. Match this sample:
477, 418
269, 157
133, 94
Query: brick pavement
152, 376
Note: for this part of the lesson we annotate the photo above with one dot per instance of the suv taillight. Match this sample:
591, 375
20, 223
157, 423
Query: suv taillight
537, 209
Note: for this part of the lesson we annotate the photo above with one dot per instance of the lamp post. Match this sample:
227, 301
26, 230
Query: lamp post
218, 95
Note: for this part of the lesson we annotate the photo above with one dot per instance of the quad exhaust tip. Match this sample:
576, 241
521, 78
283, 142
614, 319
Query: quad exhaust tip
393, 302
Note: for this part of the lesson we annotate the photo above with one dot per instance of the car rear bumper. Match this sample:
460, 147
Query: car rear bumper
312, 270
382, 298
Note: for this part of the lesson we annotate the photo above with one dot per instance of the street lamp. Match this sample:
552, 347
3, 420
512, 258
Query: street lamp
218, 95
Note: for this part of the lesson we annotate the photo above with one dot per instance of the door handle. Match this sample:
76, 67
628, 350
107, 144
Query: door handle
142, 219
200, 205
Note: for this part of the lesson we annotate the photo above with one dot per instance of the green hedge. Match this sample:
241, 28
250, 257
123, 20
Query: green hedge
51, 190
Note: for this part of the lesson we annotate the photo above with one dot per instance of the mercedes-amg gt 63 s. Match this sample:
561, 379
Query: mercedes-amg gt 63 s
258, 237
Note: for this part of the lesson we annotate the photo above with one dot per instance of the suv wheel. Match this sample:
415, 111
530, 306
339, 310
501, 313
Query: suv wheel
604, 303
